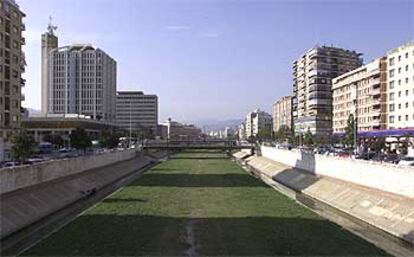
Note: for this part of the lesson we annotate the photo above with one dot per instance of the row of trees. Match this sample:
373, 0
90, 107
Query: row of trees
24, 145
286, 134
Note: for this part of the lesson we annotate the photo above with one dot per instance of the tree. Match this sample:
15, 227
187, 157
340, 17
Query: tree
110, 139
265, 133
80, 139
55, 139
23, 145
308, 138
350, 131
283, 133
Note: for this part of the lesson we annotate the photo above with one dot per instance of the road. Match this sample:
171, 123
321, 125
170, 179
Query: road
199, 204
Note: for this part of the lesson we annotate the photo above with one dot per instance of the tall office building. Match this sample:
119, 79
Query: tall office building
361, 93
12, 65
313, 73
82, 80
49, 42
282, 113
134, 109
401, 87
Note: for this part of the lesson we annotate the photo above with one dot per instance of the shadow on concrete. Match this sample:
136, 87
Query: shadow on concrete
199, 180
298, 178
137, 235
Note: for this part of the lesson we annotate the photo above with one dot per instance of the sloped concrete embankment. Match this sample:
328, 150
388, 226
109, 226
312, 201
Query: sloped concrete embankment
34, 192
388, 212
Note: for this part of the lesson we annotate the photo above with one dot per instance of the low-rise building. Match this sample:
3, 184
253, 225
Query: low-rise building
282, 113
63, 125
361, 93
179, 131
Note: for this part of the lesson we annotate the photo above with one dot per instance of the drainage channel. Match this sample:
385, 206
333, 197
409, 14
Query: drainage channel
380, 238
29, 236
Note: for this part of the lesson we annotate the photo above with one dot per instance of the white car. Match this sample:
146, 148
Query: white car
406, 161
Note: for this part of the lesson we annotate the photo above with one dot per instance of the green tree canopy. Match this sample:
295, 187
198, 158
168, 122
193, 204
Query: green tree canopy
110, 139
308, 138
80, 139
283, 133
349, 131
23, 145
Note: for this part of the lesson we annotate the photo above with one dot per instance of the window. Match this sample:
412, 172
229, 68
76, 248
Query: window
399, 58
406, 80
406, 67
392, 119
399, 82
391, 96
391, 73
391, 84
392, 107
399, 118
406, 105
399, 106
406, 117
406, 92
391, 61
406, 55
399, 93
399, 70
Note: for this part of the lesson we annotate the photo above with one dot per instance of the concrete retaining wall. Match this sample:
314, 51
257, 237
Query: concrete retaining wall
388, 212
385, 177
20, 177
28, 205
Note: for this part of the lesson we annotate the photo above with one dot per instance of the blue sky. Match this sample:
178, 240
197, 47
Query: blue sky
210, 59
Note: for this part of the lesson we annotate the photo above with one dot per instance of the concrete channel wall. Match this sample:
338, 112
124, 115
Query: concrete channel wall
385, 177
391, 213
23, 176
38, 192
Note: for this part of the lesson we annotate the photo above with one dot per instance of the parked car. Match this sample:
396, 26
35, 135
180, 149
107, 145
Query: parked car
10, 164
406, 161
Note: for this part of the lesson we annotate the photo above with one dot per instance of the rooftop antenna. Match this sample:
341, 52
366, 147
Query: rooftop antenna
50, 27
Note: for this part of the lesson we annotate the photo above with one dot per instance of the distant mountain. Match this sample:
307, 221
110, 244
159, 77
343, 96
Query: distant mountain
215, 125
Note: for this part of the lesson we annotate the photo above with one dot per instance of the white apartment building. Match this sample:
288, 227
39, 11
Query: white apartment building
361, 93
312, 86
401, 87
134, 110
258, 122
82, 80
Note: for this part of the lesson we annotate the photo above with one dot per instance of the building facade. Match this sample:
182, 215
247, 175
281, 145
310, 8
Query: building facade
12, 66
401, 87
134, 109
179, 131
361, 93
49, 42
282, 113
82, 80
258, 124
312, 85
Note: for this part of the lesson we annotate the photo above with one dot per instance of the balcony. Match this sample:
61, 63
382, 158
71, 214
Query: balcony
23, 97
22, 41
23, 27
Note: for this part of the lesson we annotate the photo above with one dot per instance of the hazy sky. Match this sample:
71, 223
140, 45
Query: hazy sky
212, 59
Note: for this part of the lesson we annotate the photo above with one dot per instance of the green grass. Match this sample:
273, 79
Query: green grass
228, 211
